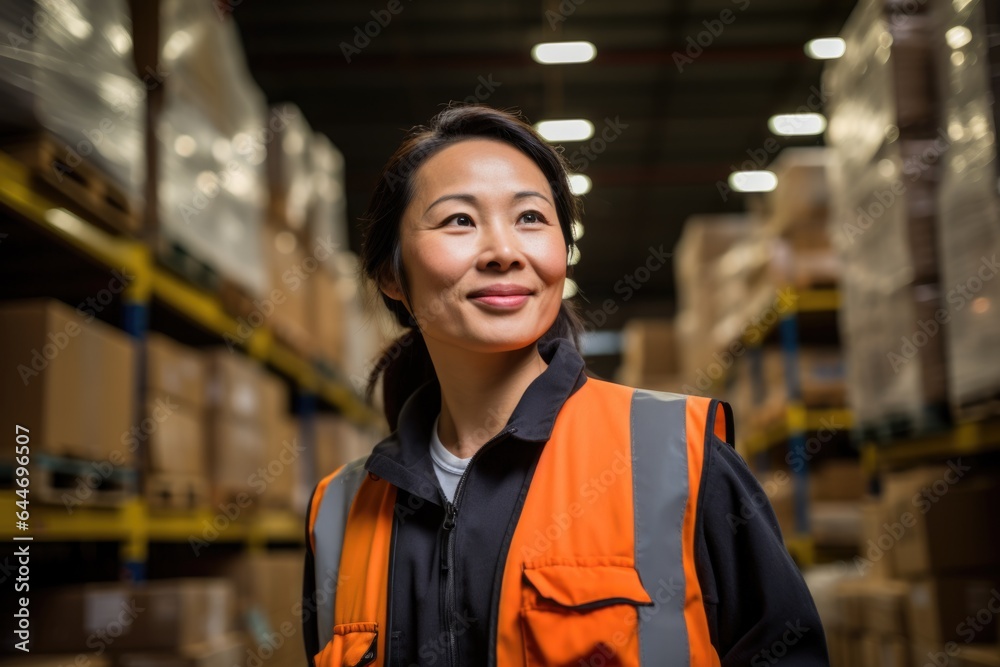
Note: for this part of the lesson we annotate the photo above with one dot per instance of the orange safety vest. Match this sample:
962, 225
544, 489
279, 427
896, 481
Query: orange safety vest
601, 569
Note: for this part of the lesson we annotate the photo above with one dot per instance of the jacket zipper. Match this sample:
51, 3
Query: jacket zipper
448, 552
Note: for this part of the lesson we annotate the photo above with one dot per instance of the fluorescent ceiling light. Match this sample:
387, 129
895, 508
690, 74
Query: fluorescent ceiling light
555, 53
574, 255
753, 181
576, 129
579, 184
570, 288
797, 124
826, 48
958, 36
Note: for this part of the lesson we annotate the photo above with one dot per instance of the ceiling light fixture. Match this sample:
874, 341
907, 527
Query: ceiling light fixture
826, 48
559, 53
753, 181
797, 124
576, 129
579, 184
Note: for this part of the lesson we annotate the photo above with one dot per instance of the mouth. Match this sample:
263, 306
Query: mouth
502, 300
501, 296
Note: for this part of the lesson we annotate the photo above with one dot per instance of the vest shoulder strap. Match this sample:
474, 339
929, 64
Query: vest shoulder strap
670, 435
330, 507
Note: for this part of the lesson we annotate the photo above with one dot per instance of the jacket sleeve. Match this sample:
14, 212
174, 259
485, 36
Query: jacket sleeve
310, 631
758, 606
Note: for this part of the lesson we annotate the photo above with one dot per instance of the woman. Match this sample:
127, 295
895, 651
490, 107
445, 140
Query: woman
521, 512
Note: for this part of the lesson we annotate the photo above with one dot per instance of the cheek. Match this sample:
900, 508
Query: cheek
434, 263
549, 260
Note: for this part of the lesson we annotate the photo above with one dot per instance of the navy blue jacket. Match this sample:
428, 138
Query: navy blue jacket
757, 603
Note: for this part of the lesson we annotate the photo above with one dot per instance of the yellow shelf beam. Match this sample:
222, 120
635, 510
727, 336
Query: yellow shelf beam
802, 549
136, 524
798, 418
801, 301
818, 301
962, 440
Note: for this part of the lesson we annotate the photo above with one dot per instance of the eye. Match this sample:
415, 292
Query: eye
533, 217
461, 219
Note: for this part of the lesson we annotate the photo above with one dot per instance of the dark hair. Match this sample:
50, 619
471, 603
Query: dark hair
405, 364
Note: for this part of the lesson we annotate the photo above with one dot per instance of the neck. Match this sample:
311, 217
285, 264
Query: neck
479, 391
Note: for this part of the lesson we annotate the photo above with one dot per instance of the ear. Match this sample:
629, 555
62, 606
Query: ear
388, 286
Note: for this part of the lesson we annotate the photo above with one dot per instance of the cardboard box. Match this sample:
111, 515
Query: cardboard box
939, 610
884, 651
156, 615
235, 385
978, 656
177, 438
236, 458
225, 651
875, 558
837, 479
268, 600
69, 381
176, 370
283, 464
338, 441
328, 314
835, 523
933, 511
292, 271
885, 603
799, 203
850, 599
649, 346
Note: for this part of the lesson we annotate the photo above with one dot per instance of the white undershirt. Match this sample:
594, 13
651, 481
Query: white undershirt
447, 466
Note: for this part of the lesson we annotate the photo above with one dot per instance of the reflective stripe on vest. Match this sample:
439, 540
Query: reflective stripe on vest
601, 566
330, 508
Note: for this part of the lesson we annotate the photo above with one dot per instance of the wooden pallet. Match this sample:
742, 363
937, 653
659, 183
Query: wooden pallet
294, 337
984, 407
174, 257
182, 492
235, 299
824, 394
73, 482
75, 181
932, 419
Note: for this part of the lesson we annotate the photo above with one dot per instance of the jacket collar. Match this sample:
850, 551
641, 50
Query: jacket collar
403, 457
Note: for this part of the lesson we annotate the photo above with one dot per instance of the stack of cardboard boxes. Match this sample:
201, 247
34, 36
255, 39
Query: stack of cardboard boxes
649, 355
68, 380
237, 429
177, 459
968, 55
703, 242
929, 586
270, 606
184, 622
883, 126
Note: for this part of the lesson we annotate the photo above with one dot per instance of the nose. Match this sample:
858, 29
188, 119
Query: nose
500, 248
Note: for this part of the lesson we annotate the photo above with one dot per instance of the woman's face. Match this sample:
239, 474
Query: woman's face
482, 248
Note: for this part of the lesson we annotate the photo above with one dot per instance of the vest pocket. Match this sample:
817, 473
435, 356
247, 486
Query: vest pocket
582, 612
352, 645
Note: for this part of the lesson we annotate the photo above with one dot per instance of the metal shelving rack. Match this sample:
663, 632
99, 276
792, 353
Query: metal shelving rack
798, 421
134, 524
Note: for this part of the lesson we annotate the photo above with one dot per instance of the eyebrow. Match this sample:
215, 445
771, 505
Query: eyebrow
472, 199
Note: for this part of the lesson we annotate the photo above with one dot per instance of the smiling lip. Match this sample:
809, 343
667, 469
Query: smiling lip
502, 295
